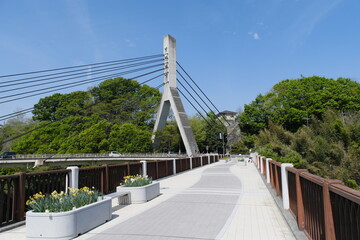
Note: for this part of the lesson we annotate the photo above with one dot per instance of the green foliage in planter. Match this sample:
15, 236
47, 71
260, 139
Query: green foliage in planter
62, 202
136, 181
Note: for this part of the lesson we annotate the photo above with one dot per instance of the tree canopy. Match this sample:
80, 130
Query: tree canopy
115, 115
295, 102
311, 122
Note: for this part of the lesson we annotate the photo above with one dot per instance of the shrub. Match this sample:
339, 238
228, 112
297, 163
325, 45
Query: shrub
352, 184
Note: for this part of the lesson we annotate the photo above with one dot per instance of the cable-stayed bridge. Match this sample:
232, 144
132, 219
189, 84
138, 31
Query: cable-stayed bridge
213, 198
146, 70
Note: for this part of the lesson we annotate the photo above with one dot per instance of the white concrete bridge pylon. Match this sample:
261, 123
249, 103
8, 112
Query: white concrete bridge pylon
171, 98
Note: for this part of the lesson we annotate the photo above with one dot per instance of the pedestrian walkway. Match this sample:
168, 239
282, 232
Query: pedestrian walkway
219, 201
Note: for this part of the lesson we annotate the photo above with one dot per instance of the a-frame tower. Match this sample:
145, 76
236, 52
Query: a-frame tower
171, 98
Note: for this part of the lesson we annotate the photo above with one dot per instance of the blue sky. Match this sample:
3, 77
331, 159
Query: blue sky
234, 50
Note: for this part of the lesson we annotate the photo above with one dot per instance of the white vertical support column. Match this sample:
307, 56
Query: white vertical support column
261, 165
268, 170
284, 182
254, 159
208, 158
74, 177
190, 159
174, 166
144, 168
201, 160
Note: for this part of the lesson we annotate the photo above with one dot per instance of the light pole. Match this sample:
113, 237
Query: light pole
222, 136
223, 143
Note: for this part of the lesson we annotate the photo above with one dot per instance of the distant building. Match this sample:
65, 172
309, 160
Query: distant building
232, 127
228, 115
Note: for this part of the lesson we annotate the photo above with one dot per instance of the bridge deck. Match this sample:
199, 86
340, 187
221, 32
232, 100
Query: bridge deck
219, 201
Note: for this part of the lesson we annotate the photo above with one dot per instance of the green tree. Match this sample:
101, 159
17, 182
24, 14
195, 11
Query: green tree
90, 121
170, 138
129, 138
121, 100
58, 105
295, 102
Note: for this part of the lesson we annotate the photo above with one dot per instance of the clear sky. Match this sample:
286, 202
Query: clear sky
234, 49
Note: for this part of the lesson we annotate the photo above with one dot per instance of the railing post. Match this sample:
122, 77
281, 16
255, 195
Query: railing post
20, 195
73, 178
284, 183
174, 166
268, 170
277, 184
208, 158
256, 160
144, 168
128, 169
328, 216
190, 159
253, 157
201, 160
272, 179
105, 178
299, 200
157, 168
261, 165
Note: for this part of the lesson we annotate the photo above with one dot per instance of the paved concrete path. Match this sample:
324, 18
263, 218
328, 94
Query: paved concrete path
219, 201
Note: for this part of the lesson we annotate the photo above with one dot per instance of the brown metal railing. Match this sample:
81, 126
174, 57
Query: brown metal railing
16, 189
162, 168
205, 160
182, 164
152, 170
272, 167
345, 205
196, 162
93, 177
278, 179
46, 182
135, 168
8, 191
170, 167
263, 162
314, 224
292, 193
323, 208
116, 174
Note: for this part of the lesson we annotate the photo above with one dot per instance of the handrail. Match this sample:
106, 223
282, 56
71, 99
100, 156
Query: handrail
324, 208
346, 192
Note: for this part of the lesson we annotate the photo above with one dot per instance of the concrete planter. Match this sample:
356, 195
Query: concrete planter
141, 194
67, 225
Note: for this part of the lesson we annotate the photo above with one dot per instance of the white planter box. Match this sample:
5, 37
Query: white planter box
141, 194
67, 225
